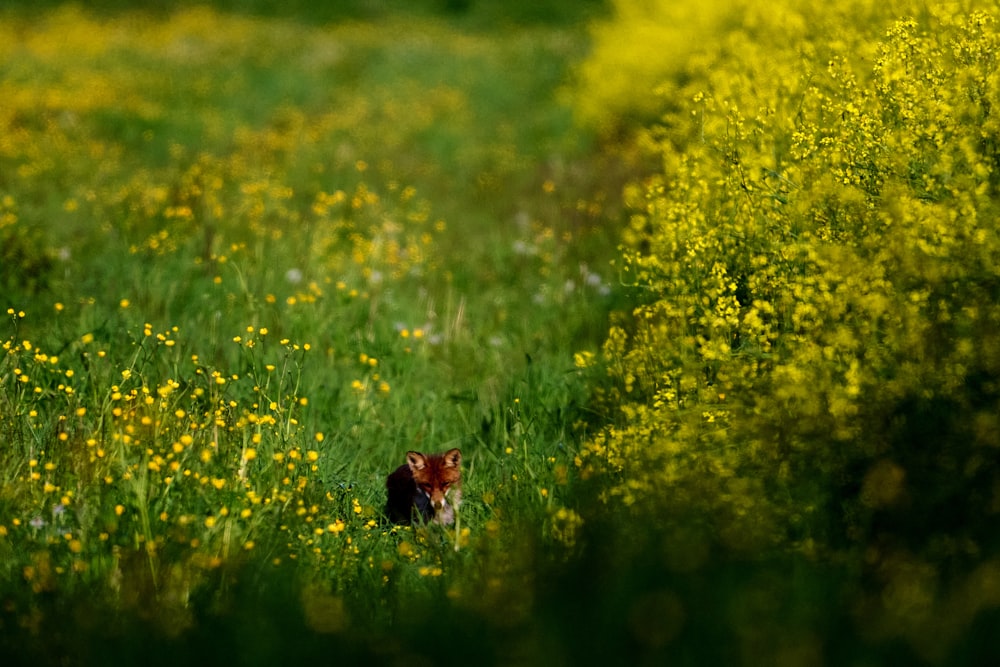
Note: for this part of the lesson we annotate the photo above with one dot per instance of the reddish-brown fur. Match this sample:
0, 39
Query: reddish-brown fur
428, 486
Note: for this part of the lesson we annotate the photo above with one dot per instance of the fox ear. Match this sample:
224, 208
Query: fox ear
416, 460
453, 458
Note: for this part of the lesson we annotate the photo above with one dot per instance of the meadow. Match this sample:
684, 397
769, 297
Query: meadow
248, 264
714, 327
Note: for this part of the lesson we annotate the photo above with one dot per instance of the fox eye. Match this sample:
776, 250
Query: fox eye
445, 485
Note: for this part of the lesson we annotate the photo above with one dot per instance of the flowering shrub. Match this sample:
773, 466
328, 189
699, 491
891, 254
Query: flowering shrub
646, 59
814, 363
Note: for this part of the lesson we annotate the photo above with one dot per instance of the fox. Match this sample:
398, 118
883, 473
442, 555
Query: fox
427, 488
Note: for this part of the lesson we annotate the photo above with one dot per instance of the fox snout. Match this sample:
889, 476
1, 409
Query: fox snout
445, 501
436, 496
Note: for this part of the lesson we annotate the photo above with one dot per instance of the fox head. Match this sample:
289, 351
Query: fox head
437, 474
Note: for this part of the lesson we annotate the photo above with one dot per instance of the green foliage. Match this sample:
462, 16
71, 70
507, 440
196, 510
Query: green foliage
24, 254
813, 366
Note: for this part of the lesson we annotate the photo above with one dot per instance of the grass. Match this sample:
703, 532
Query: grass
253, 261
